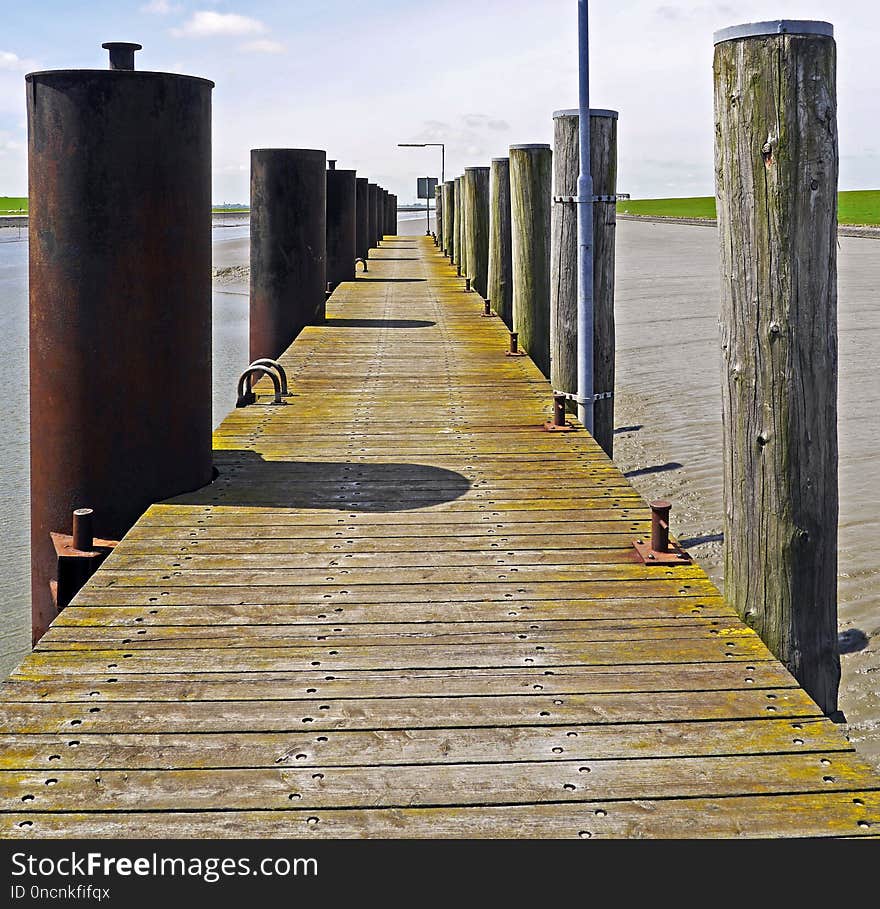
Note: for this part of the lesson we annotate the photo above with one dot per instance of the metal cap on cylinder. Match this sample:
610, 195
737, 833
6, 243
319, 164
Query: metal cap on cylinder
121, 54
594, 112
774, 27
119, 180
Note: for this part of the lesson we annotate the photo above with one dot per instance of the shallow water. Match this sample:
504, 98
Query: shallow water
667, 339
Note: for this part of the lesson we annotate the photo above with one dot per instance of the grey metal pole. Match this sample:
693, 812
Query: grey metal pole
585, 228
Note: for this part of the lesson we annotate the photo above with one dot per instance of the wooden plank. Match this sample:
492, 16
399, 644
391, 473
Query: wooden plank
516, 593
536, 709
330, 656
405, 786
389, 747
38, 680
852, 813
372, 634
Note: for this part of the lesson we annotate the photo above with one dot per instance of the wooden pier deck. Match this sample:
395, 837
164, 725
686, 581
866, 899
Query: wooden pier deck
405, 610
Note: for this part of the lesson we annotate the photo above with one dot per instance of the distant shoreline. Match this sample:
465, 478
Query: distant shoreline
865, 231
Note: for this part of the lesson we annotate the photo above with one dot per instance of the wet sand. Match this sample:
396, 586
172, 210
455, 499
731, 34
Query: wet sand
668, 418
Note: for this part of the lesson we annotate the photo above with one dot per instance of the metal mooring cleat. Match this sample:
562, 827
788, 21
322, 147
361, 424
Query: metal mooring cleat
514, 346
661, 551
559, 423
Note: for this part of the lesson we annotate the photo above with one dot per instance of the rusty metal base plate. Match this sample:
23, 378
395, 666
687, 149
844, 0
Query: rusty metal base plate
549, 426
510, 353
675, 556
488, 315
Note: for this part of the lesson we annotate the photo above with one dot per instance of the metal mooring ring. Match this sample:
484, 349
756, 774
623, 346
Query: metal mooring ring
246, 395
282, 373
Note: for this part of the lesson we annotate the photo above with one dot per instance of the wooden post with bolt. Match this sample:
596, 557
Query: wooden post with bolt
564, 261
776, 163
465, 215
438, 217
456, 229
500, 278
449, 219
530, 200
477, 241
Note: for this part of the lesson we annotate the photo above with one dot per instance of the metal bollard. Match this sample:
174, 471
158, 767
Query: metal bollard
514, 350
559, 423
660, 551
83, 529
660, 526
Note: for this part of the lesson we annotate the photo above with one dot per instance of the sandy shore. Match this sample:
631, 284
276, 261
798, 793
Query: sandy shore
669, 425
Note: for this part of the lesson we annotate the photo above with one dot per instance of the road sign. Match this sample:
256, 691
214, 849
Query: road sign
427, 185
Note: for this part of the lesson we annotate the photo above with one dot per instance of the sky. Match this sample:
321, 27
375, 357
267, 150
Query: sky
356, 78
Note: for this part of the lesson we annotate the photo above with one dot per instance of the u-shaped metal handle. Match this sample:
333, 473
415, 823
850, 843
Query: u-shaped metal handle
246, 395
362, 261
282, 374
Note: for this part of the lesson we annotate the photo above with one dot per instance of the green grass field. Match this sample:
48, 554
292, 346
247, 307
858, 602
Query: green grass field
854, 207
13, 205
16, 205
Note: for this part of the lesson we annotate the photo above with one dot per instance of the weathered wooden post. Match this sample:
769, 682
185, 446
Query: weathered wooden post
120, 305
477, 243
288, 246
449, 220
456, 232
438, 216
776, 181
500, 280
531, 172
341, 232
465, 226
564, 265
362, 213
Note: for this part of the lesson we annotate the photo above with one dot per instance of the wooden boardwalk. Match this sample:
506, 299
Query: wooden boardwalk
405, 610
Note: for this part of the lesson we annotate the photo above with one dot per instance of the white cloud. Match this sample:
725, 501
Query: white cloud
208, 24
263, 46
10, 61
159, 7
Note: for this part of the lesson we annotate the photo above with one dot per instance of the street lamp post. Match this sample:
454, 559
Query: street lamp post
439, 145
585, 318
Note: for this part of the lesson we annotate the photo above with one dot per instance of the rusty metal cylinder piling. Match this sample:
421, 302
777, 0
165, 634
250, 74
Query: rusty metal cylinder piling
119, 181
341, 225
372, 214
392, 215
362, 217
288, 246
